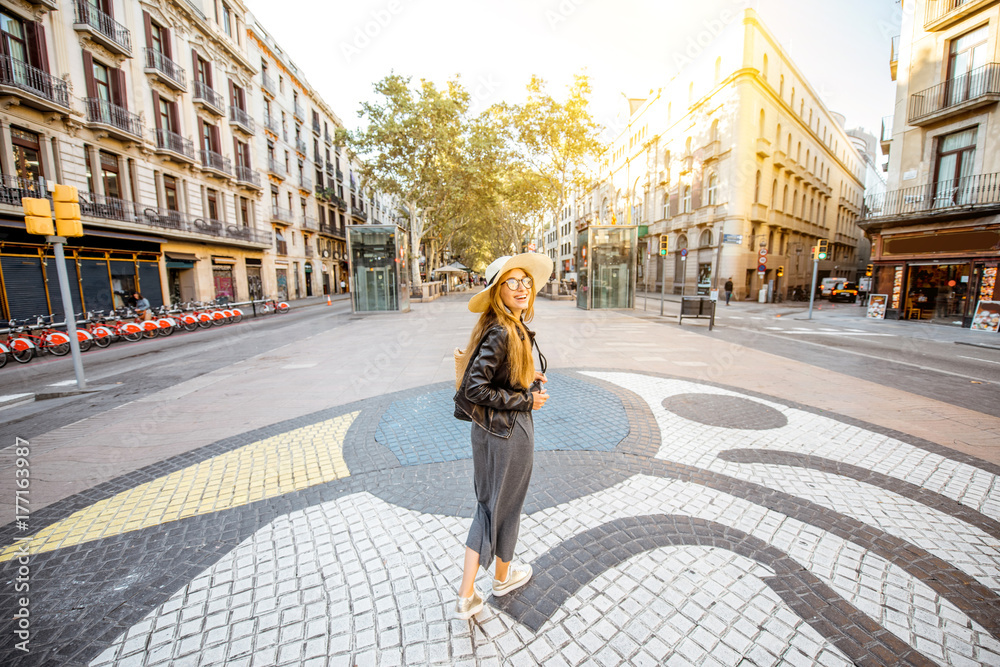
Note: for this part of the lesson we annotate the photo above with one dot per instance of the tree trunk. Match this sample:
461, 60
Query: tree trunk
416, 232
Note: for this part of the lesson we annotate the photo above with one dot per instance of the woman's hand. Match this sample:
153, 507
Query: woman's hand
539, 397
540, 377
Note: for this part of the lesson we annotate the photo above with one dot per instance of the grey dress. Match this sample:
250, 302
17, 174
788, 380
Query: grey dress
503, 443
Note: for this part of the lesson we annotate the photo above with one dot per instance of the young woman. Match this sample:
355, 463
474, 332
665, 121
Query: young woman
498, 387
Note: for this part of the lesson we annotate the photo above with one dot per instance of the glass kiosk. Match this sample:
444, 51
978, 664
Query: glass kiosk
606, 266
380, 279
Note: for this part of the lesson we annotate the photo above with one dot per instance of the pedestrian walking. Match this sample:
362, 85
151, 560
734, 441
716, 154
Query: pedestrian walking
498, 387
343, 287
729, 290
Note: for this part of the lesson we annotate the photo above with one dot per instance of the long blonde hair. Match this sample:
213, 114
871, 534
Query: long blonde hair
520, 363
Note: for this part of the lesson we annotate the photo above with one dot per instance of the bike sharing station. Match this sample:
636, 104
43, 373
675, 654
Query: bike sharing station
378, 268
606, 261
698, 307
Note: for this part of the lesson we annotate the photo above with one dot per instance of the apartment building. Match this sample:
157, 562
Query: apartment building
935, 234
735, 154
142, 107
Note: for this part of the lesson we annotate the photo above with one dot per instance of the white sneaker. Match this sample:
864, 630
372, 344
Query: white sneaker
468, 607
517, 576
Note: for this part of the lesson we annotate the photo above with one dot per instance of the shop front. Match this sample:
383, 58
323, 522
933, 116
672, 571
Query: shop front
938, 277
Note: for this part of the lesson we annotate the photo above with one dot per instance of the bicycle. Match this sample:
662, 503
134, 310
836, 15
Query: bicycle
129, 331
49, 340
21, 349
94, 324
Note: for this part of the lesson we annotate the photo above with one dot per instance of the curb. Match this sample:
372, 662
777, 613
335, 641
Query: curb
11, 400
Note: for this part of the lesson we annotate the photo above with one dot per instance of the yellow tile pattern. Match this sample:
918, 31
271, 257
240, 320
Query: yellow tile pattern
267, 468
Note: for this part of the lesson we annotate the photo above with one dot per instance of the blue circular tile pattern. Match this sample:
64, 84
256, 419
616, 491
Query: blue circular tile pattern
579, 416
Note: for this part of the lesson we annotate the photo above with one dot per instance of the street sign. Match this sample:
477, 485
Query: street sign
732, 238
684, 252
761, 268
532, 247
762, 252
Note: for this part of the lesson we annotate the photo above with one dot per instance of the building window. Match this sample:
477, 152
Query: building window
706, 238
227, 20
27, 155
713, 189
166, 116
110, 175
955, 157
212, 203
686, 200
244, 211
170, 193
14, 42
280, 245
966, 54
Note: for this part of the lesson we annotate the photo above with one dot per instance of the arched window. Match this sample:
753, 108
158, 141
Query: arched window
706, 238
764, 72
686, 200
793, 98
774, 192
798, 153
760, 129
713, 189
604, 209
795, 203
666, 205
781, 87
756, 189
807, 159
789, 151
682, 242
777, 138
714, 131
802, 108
718, 69
784, 199
687, 147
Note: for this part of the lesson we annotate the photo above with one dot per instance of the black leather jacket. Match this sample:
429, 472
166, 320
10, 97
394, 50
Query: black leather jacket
487, 396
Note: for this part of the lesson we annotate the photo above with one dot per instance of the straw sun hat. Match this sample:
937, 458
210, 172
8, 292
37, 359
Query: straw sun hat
536, 265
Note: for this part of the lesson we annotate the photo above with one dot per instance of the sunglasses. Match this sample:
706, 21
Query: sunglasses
512, 283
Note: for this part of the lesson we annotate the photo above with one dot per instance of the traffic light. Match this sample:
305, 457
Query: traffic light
67, 211
38, 216
812, 253
781, 271
869, 269
664, 243
822, 249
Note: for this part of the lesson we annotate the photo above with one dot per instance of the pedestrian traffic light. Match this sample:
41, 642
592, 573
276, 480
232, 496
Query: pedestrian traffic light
781, 271
822, 249
38, 216
812, 253
869, 269
67, 211
664, 243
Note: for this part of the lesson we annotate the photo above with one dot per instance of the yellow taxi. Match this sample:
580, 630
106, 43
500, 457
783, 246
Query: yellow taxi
844, 292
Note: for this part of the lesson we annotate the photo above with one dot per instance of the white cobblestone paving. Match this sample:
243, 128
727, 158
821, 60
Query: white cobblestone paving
373, 583
693, 443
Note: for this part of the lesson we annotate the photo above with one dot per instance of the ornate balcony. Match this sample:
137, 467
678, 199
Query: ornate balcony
973, 193
117, 121
210, 100
14, 188
939, 14
271, 125
164, 69
241, 120
174, 146
104, 29
34, 87
978, 88
309, 222
247, 176
275, 168
316, 128
216, 163
299, 112
268, 85
282, 215
305, 183
300, 146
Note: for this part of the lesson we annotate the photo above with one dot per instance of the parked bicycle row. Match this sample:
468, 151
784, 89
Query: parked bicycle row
29, 338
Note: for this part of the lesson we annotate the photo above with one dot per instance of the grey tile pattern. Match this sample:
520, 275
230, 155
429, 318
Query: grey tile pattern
725, 411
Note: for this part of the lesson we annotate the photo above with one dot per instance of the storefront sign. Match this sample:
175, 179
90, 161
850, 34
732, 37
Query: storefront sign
736, 239
876, 306
987, 316
897, 287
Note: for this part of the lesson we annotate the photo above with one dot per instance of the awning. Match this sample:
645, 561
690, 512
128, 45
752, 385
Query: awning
181, 256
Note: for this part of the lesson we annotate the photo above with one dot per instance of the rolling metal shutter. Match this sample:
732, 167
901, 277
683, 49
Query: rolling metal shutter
149, 283
96, 284
55, 294
25, 285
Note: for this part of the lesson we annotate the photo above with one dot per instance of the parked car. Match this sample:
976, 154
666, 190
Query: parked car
826, 286
844, 292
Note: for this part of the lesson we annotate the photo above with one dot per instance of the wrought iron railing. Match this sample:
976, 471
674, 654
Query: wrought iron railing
203, 92
21, 75
299, 112
975, 84
103, 111
271, 124
282, 214
327, 138
171, 141
305, 182
300, 146
216, 161
982, 190
14, 188
241, 118
316, 127
275, 167
89, 15
309, 222
156, 60
268, 83
94, 205
935, 10
247, 175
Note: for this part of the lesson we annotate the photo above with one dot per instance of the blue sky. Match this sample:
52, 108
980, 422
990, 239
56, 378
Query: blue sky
626, 46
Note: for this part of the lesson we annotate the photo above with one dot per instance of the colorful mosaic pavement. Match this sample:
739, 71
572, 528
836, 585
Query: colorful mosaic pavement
668, 522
